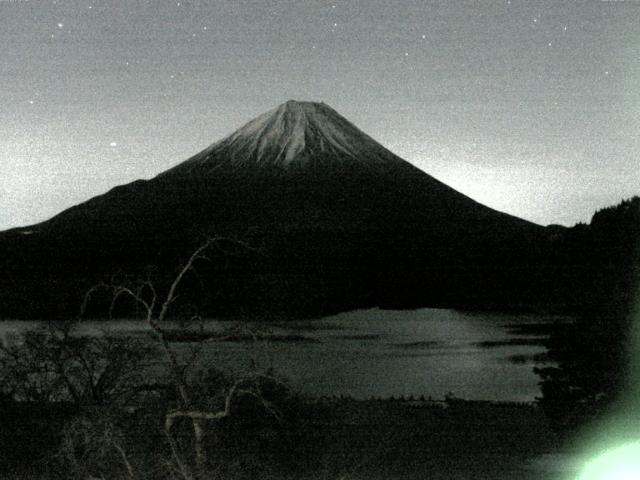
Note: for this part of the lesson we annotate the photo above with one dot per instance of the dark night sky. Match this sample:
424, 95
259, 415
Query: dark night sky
530, 107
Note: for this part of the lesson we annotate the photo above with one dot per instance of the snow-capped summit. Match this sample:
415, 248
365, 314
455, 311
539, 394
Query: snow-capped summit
294, 133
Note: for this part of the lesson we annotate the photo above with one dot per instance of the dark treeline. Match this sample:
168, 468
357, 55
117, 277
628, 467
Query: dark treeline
315, 268
593, 353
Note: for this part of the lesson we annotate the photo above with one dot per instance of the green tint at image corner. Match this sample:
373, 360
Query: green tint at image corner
618, 463
621, 460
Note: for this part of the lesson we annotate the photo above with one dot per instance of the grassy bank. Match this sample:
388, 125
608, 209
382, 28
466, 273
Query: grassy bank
432, 440
332, 438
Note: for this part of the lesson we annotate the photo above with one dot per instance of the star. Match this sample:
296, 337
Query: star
60, 25
424, 37
113, 144
30, 102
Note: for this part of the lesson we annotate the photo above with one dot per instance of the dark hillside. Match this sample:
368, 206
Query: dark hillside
337, 222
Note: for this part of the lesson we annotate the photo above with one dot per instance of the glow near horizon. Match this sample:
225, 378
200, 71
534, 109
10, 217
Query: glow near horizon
612, 447
522, 189
528, 107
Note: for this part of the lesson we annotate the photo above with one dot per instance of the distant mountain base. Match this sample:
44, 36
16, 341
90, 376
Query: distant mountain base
318, 218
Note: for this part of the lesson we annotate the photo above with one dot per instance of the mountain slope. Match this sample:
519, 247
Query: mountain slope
340, 220
295, 133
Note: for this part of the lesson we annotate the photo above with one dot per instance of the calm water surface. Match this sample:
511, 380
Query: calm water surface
377, 353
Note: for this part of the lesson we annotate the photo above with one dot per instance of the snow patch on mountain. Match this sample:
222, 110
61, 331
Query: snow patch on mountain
295, 133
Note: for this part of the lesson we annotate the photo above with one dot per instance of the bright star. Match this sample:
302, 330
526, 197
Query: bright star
113, 144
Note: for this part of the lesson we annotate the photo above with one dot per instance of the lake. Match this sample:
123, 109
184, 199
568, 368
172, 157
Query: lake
379, 353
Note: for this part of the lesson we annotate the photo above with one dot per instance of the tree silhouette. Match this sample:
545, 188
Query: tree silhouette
189, 406
592, 353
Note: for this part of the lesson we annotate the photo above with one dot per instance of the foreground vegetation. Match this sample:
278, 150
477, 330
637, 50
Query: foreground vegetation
75, 407
113, 407
315, 439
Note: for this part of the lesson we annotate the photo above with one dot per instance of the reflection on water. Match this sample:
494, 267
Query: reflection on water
378, 353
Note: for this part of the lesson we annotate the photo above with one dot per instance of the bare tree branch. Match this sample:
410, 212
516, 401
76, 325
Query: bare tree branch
125, 459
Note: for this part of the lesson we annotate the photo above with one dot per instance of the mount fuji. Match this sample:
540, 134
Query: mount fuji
337, 221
